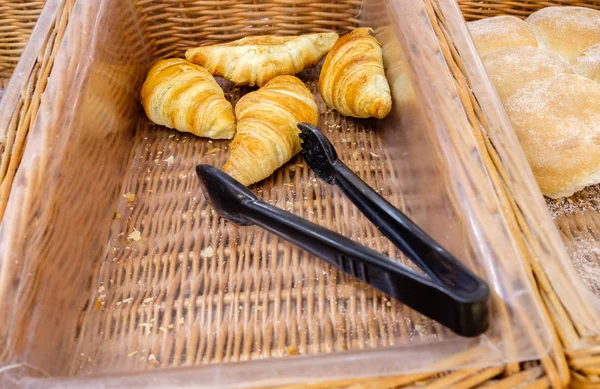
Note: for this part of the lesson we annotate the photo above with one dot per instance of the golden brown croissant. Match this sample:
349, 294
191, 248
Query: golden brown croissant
352, 79
256, 60
184, 96
267, 136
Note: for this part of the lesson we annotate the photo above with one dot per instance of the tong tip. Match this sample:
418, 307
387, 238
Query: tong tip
226, 195
318, 152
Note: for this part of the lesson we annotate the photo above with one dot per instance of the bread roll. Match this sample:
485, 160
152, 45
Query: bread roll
267, 136
566, 30
257, 59
587, 63
180, 95
352, 79
499, 32
513, 68
557, 121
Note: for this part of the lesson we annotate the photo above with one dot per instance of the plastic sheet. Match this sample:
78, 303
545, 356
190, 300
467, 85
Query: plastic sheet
234, 306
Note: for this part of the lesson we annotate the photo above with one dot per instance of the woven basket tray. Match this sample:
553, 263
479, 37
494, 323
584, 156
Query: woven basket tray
577, 219
172, 266
18, 19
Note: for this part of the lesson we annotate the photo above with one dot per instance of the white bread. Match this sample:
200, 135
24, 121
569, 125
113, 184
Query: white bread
512, 68
566, 30
557, 121
499, 32
587, 63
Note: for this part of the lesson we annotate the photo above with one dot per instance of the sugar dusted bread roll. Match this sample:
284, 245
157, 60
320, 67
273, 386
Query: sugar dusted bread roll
267, 136
257, 59
513, 68
566, 30
499, 32
557, 121
587, 63
180, 95
352, 79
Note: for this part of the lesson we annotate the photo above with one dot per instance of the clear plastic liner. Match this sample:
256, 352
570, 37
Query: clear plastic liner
91, 302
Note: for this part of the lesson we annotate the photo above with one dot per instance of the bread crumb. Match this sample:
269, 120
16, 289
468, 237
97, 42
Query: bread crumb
291, 350
117, 216
131, 354
135, 235
147, 326
207, 252
170, 160
130, 197
213, 151
149, 299
127, 300
152, 359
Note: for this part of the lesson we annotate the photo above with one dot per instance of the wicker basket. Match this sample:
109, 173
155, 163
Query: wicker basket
18, 19
581, 347
169, 38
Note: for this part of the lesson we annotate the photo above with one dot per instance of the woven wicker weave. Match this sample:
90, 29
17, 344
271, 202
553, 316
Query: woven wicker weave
18, 19
112, 321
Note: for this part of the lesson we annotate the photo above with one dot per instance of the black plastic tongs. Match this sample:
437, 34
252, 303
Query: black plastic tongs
451, 294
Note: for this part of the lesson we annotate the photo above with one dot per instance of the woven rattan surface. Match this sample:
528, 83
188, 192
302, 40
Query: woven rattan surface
475, 10
18, 17
255, 303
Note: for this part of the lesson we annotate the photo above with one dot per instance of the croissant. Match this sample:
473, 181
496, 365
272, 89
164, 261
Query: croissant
267, 136
352, 79
256, 60
184, 96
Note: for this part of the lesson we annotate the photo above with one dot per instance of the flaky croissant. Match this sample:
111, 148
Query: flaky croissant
267, 136
181, 95
352, 79
256, 60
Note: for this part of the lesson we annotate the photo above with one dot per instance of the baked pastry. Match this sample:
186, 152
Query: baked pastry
267, 136
352, 79
566, 30
255, 60
180, 95
587, 63
499, 32
557, 121
512, 68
